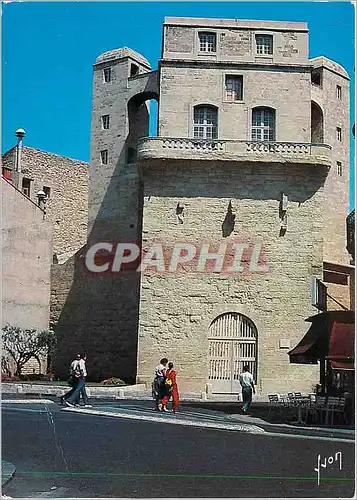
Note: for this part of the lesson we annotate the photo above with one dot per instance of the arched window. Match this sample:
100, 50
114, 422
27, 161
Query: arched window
232, 345
205, 122
263, 124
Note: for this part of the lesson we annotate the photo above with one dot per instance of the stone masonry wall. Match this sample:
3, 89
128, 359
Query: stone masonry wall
99, 314
176, 309
182, 88
235, 40
67, 208
336, 114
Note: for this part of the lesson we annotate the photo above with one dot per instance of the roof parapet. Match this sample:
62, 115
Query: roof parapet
122, 53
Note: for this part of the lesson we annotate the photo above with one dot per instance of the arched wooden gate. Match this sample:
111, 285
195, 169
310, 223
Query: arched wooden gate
232, 344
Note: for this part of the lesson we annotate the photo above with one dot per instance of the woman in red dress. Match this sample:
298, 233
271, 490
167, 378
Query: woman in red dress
171, 375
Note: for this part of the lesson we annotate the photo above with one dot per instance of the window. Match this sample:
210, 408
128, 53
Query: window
316, 77
131, 155
47, 191
264, 44
339, 168
234, 88
107, 75
26, 186
338, 92
263, 124
104, 157
339, 134
134, 70
105, 122
319, 294
207, 42
205, 122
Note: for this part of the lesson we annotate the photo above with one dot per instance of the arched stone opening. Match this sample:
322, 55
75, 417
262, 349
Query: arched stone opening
142, 121
232, 342
317, 124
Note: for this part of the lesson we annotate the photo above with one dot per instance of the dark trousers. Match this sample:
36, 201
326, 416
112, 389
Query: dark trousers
79, 391
71, 391
159, 390
247, 394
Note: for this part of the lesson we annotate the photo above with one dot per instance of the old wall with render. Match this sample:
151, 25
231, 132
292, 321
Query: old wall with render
176, 308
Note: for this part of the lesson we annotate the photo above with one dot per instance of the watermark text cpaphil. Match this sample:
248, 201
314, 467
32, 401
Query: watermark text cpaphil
228, 258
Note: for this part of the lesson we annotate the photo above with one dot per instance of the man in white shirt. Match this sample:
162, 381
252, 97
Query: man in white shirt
80, 374
73, 380
247, 383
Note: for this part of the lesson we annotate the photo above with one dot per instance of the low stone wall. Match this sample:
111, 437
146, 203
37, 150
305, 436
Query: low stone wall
59, 390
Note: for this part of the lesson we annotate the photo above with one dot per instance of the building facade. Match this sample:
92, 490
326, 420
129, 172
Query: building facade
251, 163
65, 184
26, 265
55, 224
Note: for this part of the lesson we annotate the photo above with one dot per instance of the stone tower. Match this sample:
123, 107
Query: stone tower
243, 164
122, 83
330, 96
240, 140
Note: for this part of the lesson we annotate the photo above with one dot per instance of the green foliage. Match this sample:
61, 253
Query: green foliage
23, 344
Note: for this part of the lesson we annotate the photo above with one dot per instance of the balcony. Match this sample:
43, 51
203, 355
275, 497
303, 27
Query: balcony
167, 148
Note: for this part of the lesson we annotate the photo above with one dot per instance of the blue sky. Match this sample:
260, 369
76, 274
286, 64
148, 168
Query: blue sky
49, 49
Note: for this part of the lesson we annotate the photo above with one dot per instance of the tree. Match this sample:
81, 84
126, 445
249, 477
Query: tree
23, 344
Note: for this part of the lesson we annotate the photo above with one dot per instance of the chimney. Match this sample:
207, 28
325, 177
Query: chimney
20, 134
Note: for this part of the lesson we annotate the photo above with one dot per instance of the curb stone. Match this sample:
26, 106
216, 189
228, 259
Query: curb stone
27, 401
7, 472
253, 429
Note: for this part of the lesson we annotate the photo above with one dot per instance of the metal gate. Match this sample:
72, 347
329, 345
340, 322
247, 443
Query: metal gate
232, 344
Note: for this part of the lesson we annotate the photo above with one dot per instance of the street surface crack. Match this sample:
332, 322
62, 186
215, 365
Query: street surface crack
57, 443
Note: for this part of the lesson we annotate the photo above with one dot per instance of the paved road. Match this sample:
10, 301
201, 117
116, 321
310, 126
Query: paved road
63, 454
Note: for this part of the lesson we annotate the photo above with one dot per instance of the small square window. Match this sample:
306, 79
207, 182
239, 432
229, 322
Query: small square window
339, 168
207, 42
104, 157
131, 155
339, 92
105, 122
134, 70
26, 186
107, 75
316, 77
339, 134
47, 191
234, 88
264, 44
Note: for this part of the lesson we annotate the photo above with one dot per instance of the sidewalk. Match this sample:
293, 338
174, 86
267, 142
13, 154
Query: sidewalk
227, 406
259, 415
